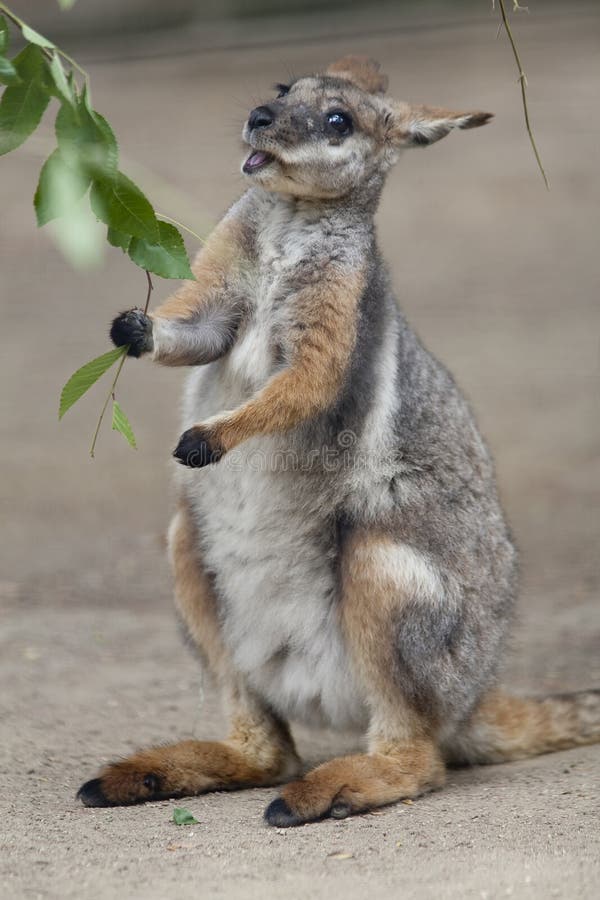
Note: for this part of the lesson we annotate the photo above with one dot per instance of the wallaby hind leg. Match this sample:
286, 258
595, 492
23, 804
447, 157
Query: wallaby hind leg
259, 749
403, 759
392, 770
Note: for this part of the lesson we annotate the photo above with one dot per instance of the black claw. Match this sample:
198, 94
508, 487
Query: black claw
91, 794
280, 815
134, 328
195, 450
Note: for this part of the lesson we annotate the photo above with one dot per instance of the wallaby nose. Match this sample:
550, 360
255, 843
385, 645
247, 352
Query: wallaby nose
261, 117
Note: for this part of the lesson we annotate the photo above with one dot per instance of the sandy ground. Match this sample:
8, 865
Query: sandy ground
500, 278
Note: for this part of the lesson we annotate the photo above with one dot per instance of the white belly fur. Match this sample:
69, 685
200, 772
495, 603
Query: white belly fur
268, 540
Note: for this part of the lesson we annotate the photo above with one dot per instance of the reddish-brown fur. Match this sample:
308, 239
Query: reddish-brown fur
392, 771
322, 344
223, 258
362, 71
504, 728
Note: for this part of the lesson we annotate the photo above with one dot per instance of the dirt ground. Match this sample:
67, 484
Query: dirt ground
501, 279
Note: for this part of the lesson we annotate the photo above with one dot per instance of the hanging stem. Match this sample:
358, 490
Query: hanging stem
10, 15
179, 225
150, 289
110, 394
111, 391
523, 83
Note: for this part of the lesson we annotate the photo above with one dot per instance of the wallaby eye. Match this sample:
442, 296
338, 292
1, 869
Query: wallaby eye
282, 90
340, 121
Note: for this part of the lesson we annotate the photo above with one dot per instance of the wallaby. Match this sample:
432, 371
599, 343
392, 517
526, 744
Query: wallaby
339, 551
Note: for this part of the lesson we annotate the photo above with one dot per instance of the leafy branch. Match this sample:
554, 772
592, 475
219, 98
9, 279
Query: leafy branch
522, 79
84, 164
83, 379
120, 421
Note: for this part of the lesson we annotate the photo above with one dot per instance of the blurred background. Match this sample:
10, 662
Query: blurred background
500, 278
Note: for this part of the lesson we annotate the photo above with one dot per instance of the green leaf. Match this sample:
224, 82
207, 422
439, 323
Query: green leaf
86, 140
108, 134
4, 35
183, 816
82, 380
34, 38
23, 105
118, 239
109, 141
63, 89
121, 205
120, 422
66, 4
167, 258
86, 98
59, 189
8, 73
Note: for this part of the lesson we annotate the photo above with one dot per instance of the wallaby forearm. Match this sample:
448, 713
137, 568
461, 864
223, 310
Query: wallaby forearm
321, 349
205, 335
197, 324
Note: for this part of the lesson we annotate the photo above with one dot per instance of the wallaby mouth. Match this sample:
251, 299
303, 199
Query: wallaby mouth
258, 159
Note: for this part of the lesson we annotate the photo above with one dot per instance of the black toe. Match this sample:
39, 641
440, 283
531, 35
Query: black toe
280, 815
91, 794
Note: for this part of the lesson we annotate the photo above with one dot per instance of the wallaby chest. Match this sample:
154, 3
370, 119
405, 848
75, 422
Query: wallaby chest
290, 249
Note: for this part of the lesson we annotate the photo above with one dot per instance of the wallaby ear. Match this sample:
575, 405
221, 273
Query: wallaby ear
363, 72
418, 126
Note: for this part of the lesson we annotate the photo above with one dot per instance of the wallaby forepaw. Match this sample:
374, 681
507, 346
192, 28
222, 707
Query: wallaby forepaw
197, 448
134, 329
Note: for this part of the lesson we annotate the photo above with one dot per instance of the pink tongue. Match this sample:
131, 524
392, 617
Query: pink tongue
256, 159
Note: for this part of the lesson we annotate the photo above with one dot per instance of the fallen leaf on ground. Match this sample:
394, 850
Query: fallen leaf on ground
183, 816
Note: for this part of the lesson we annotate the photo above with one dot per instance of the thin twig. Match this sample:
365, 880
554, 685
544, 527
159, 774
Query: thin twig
73, 63
20, 23
523, 82
47, 51
179, 225
10, 15
111, 392
150, 289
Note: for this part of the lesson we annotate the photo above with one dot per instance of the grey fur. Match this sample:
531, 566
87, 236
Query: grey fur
436, 482
447, 656
415, 468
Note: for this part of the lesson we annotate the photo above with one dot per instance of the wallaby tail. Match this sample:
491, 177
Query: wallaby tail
503, 728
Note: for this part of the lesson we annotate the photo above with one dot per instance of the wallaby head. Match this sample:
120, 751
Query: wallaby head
329, 135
